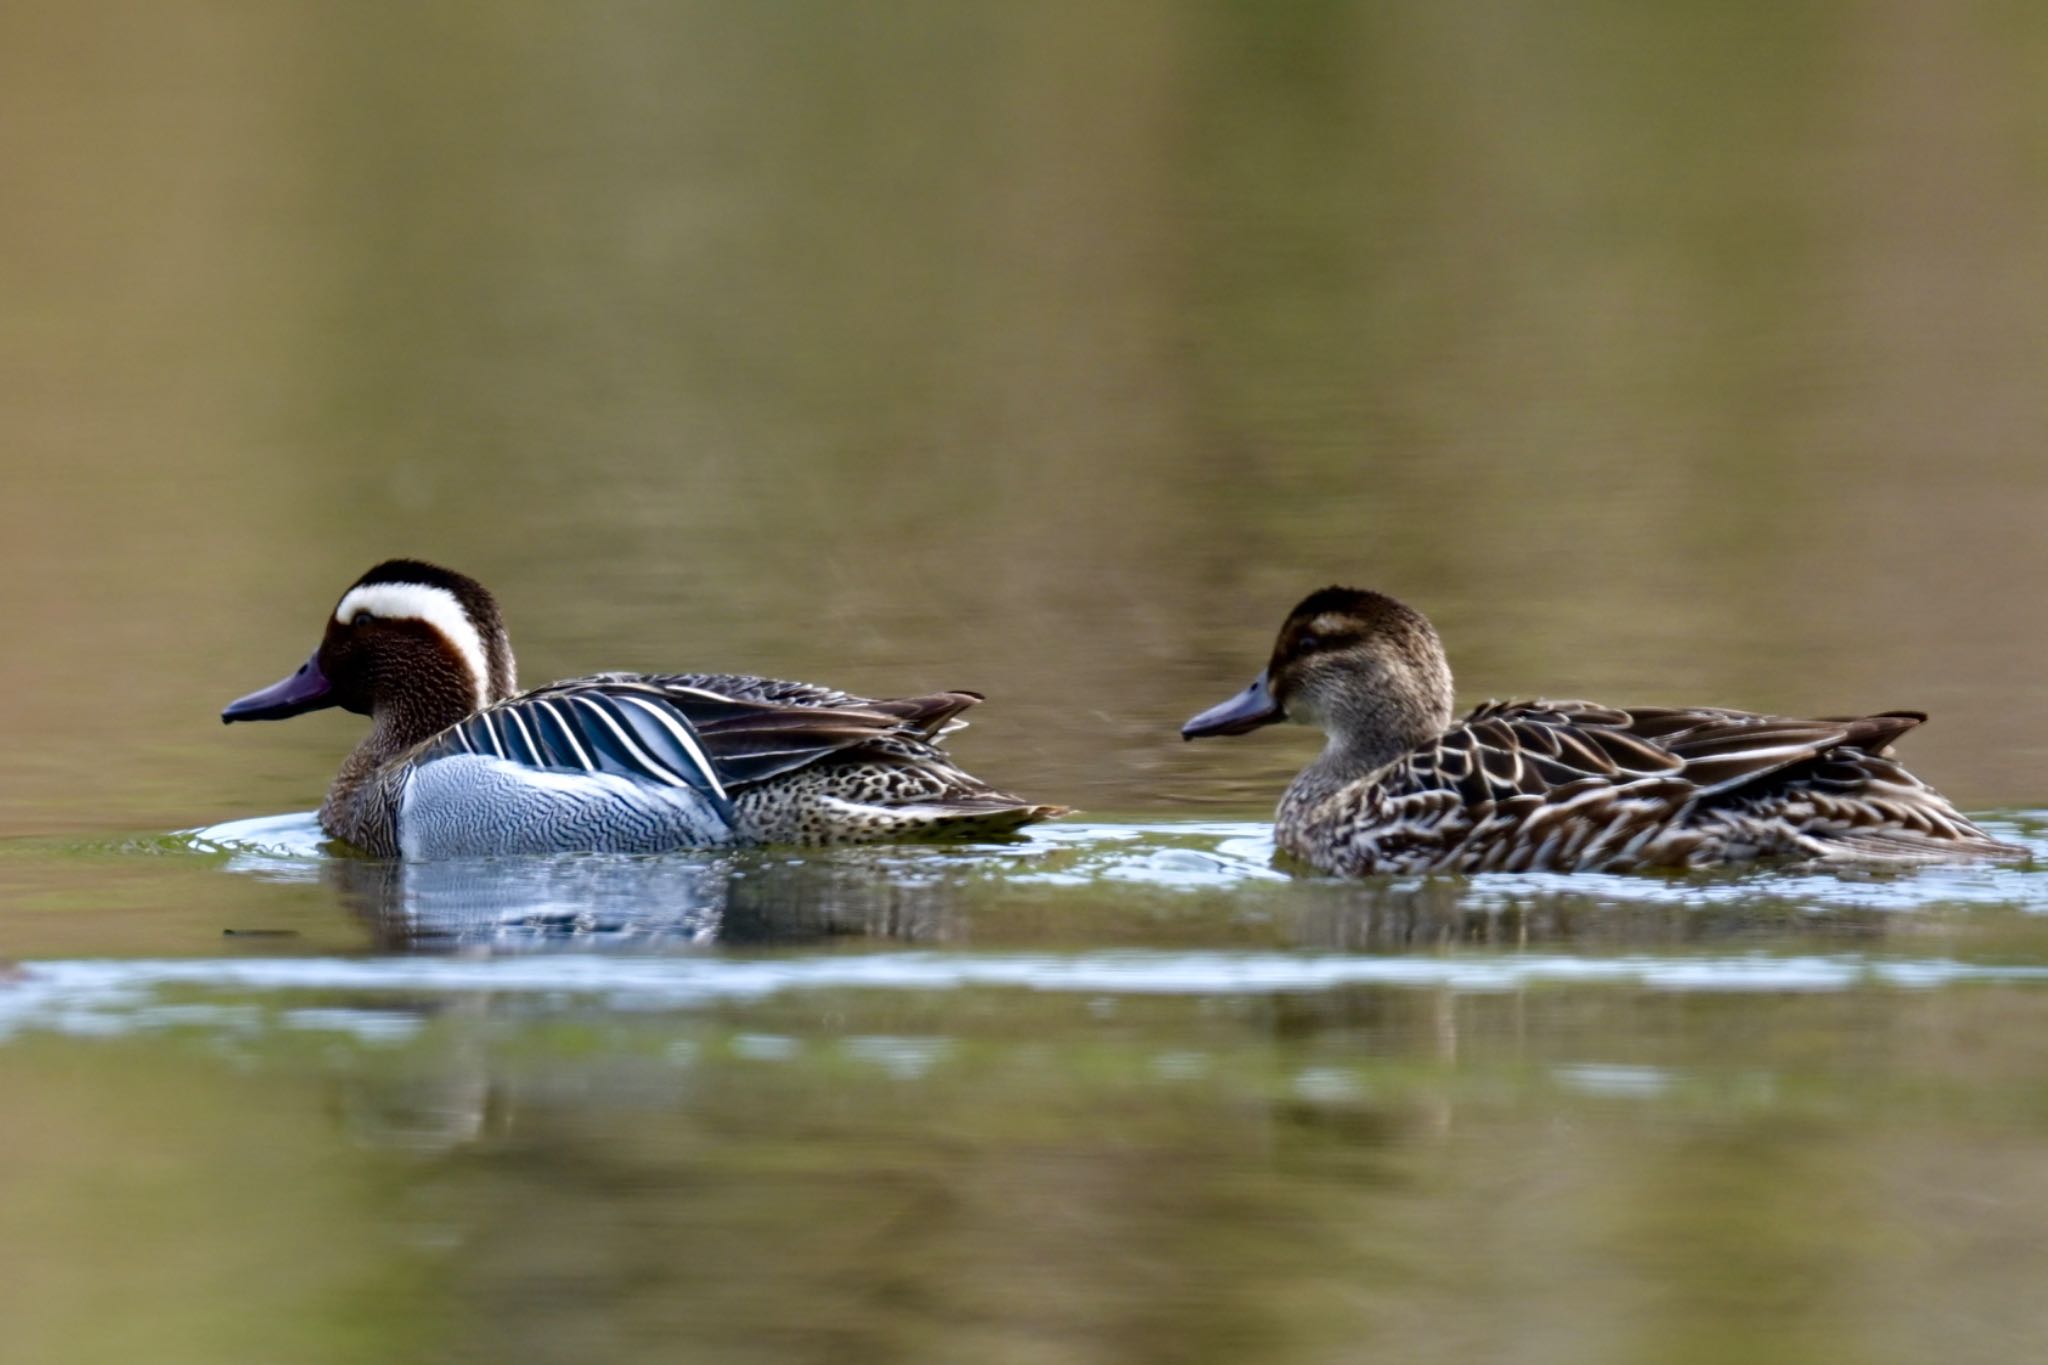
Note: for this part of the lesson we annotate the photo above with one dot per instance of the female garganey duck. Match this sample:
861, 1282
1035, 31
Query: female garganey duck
459, 762
1562, 785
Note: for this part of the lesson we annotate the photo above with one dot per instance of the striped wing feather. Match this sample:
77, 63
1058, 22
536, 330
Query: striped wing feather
1542, 745
682, 730
616, 731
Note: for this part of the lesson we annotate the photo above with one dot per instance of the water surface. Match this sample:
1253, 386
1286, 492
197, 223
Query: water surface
1114, 1081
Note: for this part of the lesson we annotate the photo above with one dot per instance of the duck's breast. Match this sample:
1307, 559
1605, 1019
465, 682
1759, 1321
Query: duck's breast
469, 805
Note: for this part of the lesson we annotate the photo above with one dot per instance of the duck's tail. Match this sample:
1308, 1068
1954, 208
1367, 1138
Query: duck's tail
965, 817
885, 801
1912, 846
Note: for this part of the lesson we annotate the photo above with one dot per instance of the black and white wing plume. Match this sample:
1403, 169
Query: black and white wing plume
679, 730
622, 732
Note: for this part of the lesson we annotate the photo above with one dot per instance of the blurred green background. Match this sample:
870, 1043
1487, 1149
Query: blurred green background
1684, 351
1661, 352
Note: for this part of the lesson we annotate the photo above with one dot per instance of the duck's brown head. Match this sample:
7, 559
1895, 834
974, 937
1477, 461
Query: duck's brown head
1358, 664
409, 642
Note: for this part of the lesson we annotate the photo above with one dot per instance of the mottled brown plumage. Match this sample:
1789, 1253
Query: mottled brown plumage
1563, 785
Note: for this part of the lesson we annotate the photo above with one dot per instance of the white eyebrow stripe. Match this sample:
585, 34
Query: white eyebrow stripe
439, 608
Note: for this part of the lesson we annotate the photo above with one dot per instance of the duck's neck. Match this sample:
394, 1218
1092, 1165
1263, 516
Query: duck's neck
353, 811
1351, 758
1344, 760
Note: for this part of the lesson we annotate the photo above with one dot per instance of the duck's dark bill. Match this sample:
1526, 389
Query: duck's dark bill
305, 690
1248, 710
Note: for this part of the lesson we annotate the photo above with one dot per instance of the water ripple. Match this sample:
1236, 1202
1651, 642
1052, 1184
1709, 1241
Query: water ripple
921, 893
112, 997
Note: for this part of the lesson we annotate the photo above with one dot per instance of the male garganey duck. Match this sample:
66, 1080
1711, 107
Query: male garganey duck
459, 762
1563, 785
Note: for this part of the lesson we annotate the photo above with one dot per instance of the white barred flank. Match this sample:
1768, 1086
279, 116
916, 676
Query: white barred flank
473, 805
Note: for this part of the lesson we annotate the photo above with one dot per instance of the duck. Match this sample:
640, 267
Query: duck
458, 762
1403, 787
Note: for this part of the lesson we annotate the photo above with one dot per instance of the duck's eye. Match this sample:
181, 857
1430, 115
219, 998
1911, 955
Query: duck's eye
360, 617
1308, 642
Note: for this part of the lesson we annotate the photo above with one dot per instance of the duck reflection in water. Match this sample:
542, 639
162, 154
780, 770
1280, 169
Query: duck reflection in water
600, 902
608, 902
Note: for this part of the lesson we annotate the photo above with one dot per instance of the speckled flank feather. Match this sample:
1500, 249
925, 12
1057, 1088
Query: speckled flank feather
1564, 785
886, 794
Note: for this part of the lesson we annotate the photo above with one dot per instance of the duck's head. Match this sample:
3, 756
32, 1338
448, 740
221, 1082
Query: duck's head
1359, 664
408, 640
